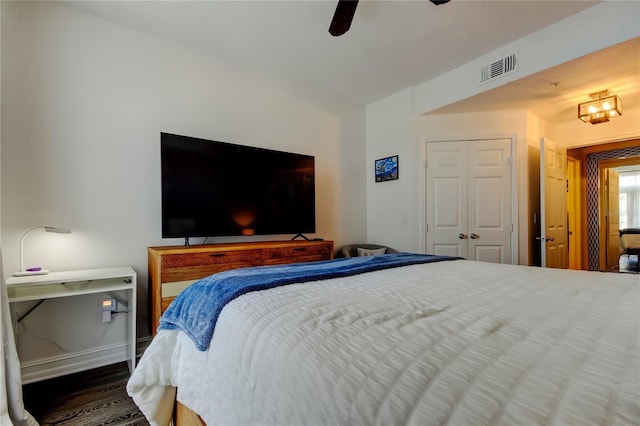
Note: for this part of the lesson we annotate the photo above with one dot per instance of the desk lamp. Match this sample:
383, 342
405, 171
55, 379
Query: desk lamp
36, 271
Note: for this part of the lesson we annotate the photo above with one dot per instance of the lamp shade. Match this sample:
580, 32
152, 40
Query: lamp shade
36, 270
57, 230
600, 110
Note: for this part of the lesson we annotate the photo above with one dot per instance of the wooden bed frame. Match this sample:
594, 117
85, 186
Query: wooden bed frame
184, 416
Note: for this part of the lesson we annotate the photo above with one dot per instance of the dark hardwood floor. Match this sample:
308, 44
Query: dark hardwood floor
89, 398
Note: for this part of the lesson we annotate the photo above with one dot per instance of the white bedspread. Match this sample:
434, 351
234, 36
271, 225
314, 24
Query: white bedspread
462, 343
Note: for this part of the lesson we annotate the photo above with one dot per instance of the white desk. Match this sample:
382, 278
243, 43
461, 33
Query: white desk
75, 283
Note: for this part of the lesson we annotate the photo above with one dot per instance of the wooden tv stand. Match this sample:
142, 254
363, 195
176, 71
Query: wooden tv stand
174, 268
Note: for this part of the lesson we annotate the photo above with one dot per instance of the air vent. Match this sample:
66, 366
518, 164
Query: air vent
496, 69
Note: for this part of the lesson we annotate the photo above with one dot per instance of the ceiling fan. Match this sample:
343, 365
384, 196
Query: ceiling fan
345, 10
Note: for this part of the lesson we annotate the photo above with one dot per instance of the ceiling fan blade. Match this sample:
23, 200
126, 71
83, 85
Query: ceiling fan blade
342, 17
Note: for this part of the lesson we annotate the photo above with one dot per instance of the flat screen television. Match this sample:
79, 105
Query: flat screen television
212, 188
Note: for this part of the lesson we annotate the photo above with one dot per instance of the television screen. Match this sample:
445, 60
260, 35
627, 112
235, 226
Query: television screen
212, 188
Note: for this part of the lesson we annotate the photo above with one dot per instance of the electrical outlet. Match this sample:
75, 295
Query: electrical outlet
108, 307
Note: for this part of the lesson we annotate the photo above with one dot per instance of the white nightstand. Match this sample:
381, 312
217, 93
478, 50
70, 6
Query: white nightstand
39, 288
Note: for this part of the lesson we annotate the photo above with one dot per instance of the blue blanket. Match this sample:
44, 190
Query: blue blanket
196, 309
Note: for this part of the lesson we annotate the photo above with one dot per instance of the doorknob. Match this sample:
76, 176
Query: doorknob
462, 236
549, 238
474, 236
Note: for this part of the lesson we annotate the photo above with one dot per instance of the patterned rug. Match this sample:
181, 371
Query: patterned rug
95, 397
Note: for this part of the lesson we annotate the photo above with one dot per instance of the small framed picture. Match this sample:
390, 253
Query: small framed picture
387, 169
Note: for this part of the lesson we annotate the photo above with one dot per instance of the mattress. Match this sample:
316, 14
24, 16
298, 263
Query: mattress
458, 342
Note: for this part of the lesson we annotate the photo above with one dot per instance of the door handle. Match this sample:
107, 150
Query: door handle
545, 238
462, 236
474, 236
550, 239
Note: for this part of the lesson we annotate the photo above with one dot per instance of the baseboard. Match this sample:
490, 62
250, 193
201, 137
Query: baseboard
49, 368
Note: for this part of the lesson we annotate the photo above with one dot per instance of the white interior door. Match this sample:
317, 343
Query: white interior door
553, 205
469, 199
447, 209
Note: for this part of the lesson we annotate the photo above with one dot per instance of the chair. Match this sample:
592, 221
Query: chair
630, 244
351, 250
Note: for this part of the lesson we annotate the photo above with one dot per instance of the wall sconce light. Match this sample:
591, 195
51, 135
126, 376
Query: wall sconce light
36, 270
602, 107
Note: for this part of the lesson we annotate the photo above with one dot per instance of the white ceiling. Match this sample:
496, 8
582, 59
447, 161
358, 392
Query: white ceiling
391, 44
554, 93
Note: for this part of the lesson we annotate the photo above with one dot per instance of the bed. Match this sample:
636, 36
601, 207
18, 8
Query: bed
445, 341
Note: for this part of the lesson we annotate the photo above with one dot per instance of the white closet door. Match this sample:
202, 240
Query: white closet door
489, 200
469, 199
447, 186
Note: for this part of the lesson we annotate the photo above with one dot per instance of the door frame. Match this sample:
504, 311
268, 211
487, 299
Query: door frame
422, 170
574, 212
590, 156
602, 232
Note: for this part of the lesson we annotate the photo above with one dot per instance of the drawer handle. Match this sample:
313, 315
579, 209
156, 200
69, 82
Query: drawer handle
299, 249
217, 255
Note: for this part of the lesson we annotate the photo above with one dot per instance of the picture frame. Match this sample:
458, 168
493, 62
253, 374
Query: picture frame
386, 169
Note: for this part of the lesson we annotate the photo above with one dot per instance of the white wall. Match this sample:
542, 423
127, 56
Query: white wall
84, 101
392, 205
388, 201
396, 124
393, 129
